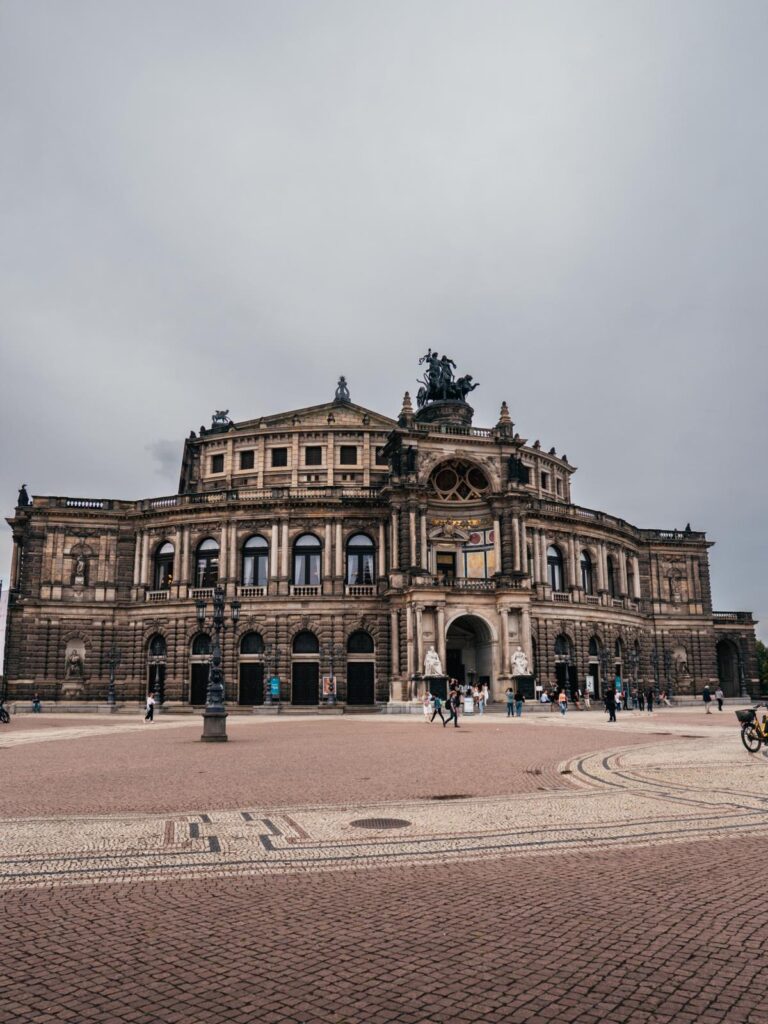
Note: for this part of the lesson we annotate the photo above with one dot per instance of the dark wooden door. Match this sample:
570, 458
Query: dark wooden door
360, 682
454, 665
199, 686
251, 683
561, 675
156, 682
304, 680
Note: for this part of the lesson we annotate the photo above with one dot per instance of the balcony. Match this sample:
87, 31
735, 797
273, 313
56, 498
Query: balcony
305, 591
157, 595
561, 597
204, 592
360, 590
246, 591
724, 617
591, 599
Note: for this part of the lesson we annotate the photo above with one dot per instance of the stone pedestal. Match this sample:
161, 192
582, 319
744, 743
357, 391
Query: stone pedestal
451, 412
214, 727
437, 686
526, 685
72, 689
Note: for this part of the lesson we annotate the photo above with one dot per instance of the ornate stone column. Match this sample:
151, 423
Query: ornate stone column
284, 549
636, 567
327, 552
497, 542
523, 546
395, 631
516, 544
423, 560
394, 542
419, 639
573, 569
504, 616
543, 545
536, 557
409, 641
136, 562
144, 558
623, 589
382, 553
338, 569
274, 554
412, 534
224, 552
525, 630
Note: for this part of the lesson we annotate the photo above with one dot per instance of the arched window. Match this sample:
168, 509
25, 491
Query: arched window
201, 644
360, 560
555, 567
164, 566
618, 649
630, 577
613, 587
587, 582
207, 563
252, 643
306, 560
563, 646
457, 480
255, 562
360, 642
157, 646
305, 642
594, 647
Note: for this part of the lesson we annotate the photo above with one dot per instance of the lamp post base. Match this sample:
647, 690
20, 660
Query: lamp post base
214, 727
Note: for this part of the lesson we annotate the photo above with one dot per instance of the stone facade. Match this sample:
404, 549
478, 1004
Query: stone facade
465, 539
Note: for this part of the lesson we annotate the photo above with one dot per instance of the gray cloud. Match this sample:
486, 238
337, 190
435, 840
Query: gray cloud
226, 205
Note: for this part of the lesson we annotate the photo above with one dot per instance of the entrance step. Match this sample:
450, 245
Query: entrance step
362, 709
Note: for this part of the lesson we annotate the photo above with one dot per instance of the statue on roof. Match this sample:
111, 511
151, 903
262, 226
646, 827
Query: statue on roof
220, 420
23, 499
439, 383
342, 391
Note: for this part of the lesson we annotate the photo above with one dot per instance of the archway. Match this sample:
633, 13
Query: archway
469, 650
305, 668
728, 667
360, 668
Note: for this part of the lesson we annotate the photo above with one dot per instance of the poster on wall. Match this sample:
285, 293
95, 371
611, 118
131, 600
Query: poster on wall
274, 687
591, 685
329, 686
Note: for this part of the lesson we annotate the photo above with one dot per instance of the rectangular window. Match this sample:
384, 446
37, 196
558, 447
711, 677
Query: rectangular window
217, 463
348, 455
246, 460
544, 481
559, 486
313, 455
446, 563
381, 459
279, 456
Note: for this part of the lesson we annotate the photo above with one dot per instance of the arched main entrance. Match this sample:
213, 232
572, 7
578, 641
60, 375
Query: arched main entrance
305, 668
469, 650
728, 667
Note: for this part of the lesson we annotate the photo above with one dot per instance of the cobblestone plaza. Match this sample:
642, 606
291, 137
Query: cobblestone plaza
542, 869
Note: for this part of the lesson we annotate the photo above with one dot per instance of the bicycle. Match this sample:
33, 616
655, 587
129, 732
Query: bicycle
753, 732
4, 715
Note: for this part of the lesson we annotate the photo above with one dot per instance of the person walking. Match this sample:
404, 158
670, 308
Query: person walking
453, 708
719, 697
437, 709
610, 703
427, 706
509, 694
36, 703
150, 715
519, 701
641, 699
706, 696
562, 702
486, 695
649, 695
586, 698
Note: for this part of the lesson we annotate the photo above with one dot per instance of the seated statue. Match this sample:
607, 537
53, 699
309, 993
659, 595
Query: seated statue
432, 666
519, 662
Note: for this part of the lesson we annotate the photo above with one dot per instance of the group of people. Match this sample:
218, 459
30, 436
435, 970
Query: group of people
458, 695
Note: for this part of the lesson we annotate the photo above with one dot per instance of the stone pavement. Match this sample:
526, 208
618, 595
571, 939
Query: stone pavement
620, 885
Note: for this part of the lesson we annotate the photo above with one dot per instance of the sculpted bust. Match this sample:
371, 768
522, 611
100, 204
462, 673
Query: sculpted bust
432, 666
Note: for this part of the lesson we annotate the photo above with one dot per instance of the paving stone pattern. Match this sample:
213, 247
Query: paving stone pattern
581, 897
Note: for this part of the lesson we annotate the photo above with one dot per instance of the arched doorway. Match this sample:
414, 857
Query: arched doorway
251, 669
200, 666
469, 650
360, 668
728, 667
305, 668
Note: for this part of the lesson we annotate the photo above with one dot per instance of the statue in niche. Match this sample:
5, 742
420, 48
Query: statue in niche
81, 569
432, 666
75, 666
519, 662
342, 391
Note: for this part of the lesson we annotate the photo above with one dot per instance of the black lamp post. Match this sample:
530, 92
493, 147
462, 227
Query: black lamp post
332, 652
270, 658
633, 660
215, 714
113, 660
604, 659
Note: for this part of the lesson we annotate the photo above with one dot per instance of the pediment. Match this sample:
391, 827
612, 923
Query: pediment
336, 414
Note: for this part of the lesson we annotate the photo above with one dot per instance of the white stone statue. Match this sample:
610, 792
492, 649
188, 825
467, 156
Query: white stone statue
432, 666
519, 662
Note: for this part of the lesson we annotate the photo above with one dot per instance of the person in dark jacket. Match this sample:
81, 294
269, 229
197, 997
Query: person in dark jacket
437, 704
453, 708
649, 695
610, 703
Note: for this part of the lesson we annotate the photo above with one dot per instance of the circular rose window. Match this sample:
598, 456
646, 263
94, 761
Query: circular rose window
459, 481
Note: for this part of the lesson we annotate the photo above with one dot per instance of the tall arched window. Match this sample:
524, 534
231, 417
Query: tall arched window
587, 582
207, 563
255, 562
157, 646
630, 577
252, 643
360, 560
306, 560
594, 647
164, 566
613, 585
555, 567
306, 642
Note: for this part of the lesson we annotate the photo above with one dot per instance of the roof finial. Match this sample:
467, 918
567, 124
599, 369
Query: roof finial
342, 391
406, 413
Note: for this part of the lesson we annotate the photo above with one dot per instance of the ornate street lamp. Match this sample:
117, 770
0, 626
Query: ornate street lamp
215, 714
113, 660
270, 663
604, 660
333, 652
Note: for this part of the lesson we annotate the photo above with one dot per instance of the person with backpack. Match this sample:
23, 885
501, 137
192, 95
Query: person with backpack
706, 696
610, 703
519, 701
438, 709
453, 708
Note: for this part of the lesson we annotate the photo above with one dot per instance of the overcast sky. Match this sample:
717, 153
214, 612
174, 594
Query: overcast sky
227, 204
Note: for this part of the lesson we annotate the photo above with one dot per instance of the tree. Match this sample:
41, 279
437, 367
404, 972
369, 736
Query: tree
762, 665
